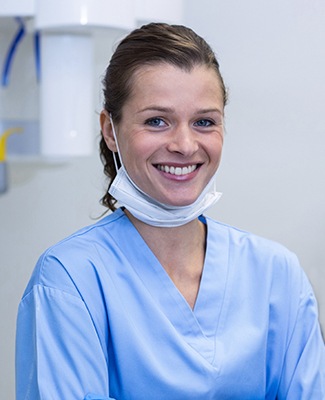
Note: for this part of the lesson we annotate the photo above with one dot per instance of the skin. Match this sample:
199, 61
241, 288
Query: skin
170, 139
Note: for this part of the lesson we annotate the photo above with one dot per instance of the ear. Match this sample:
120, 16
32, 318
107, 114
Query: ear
107, 130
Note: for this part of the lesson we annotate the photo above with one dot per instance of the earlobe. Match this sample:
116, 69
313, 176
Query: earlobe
107, 131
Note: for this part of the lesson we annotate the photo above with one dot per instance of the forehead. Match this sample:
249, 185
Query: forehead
163, 79
160, 68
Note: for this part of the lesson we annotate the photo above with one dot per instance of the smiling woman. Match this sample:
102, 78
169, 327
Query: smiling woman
173, 49
157, 301
185, 131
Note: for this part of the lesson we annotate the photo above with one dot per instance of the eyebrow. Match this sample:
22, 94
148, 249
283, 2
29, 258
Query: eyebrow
170, 110
156, 108
208, 110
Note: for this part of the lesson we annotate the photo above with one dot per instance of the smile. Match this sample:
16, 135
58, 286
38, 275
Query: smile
177, 170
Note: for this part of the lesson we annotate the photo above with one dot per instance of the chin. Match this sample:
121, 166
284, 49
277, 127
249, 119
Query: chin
177, 199
179, 202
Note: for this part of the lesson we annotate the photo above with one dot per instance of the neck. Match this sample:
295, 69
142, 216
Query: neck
187, 234
180, 250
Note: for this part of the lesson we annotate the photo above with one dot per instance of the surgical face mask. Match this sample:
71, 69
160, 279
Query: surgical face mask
151, 211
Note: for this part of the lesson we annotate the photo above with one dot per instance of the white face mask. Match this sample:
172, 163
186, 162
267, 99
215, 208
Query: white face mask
151, 211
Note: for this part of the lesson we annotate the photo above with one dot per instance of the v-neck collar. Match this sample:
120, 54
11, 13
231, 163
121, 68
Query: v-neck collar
199, 325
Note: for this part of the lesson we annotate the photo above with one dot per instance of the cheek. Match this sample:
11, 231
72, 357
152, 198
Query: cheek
140, 147
215, 150
134, 155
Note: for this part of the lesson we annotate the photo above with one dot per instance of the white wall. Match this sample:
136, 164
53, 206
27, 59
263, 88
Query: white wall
272, 56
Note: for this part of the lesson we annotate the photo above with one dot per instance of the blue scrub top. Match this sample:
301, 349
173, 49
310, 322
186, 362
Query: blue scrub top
101, 319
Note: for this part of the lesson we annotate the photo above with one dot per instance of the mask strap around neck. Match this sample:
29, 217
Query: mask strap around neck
117, 147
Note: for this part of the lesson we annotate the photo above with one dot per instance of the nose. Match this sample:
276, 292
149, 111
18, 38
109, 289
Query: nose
183, 141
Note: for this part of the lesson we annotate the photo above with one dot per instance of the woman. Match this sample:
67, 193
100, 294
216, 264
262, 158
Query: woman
156, 301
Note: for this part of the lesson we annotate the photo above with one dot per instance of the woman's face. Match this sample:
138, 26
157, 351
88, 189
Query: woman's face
171, 132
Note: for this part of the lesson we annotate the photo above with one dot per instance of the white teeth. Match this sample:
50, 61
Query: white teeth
177, 170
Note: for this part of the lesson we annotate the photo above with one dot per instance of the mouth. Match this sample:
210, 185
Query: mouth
176, 170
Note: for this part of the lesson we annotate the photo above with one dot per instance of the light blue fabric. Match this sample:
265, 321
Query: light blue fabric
101, 319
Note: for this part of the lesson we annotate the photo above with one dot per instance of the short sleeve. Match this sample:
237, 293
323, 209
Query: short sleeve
303, 376
58, 352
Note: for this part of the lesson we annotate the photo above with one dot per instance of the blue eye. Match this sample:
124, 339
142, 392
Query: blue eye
155, 122
203, 123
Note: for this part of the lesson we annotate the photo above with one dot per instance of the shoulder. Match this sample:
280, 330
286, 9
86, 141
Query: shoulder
241, 240
260, 260
86, 237
77, 254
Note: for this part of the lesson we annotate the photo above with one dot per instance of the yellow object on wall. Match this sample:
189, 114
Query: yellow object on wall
3, 142
3, 156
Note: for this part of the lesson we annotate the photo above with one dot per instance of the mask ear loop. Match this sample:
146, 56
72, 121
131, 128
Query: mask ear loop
117, 147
